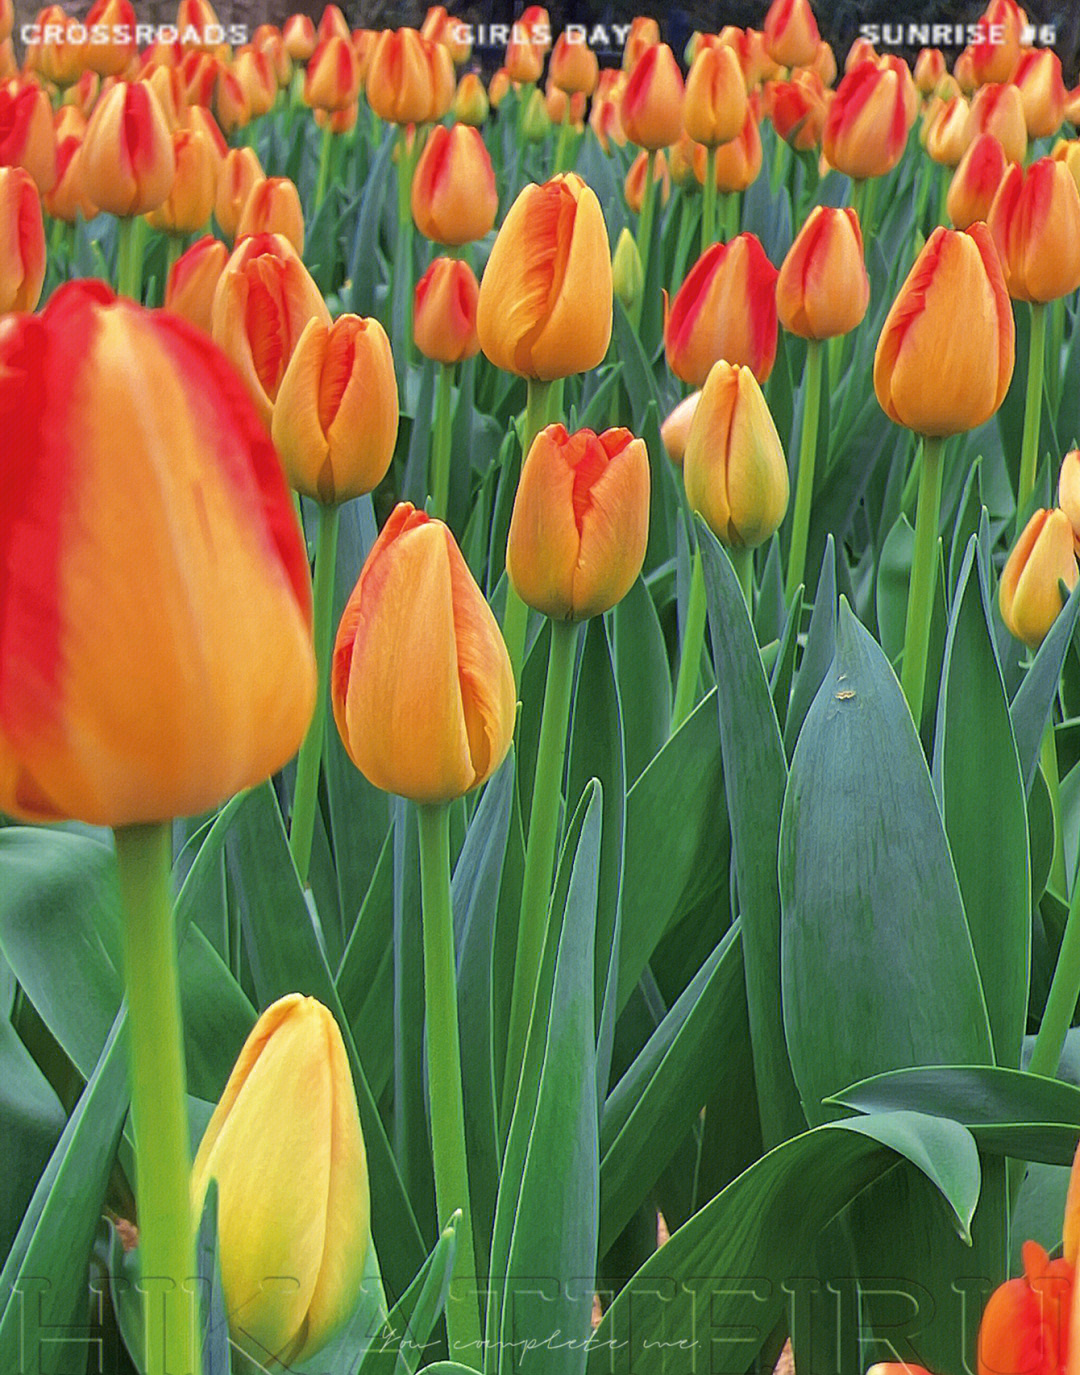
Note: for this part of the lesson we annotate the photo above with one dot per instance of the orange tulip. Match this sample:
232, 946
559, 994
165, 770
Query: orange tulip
975, 182
338, 121
471, 104
1025, 1326
267, 39
797, 109
580, 522
1069, 501
653, 100
332, 78
1068, 152
999, 110
644, 34
441, 27
573, 67
524, 59
714, 110
189, 291
498, 86
22, 241
867, 125
336, 415
995, 58
929, 69
675, 431
232, 108
1038, 79
84, 94
113, 17
400, 83
749, 45
444, 312
454, 199
421, 685
68, 199
791, 33
239, 172
262, 304
255, 74
1072, 106
946, 352
824, 64
167, 85
273, 207
1035, 221
734, 467
823, 289
634, 186
198, 24
738, 162
605, 120
199, 73
27, 136
188, 205
61, 59
120, 697
546, 299
726, 309
128, 163
199, 117
332, 24
861, 50
950, 136
300, 37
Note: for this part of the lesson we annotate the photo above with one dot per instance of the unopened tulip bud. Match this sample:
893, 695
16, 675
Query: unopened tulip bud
563, 108
627, 275
400, 81
675, 431
994, 57
238, 174
454, 199
929, 69
791, 33
1068, 152
114, 19
1069, 501
999, 110
605, 121
332, 24
797, 109
188, 205
1035, 221
524, 59
634, 186
27, 135
128, 163
68, 200
1038, 79
824, 64
653, 100
573, 67
62, 59
232, 108
300, 37
471, 104
444, 312
644, 34
273, 207
734, 467
422, 687
22, 241
867, 125
945, 357
1029, 596
714, 109
949, 136
290, 1202
199, 73
535, 122
197, 24
738, 162
975, 181
255, 74
441, 27
823, 290
332, 78
580, 522
189, 291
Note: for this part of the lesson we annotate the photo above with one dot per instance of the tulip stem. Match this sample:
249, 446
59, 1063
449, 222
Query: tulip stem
540, 851
693, 641
324, 169
645, 227
158, 1098
516, 613
708, 204
564, 136
445, 1095
1048, 758
1061, 1001
920, 607
1029, 449
742, 561
440, 447
128, 257
306, 795
401, 302
804, 482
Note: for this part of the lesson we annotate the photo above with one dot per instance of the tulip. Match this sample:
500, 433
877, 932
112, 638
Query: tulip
564, 110
1028, 595
653, 99
867, 124
444, 312
644, 34
27, 137
824, 64
524, 59
822, 289
273, 207
725, 309
1038, 79
546, 297
335, 418
498, 87
791, 33
1035, 221
627, 277
289, 1202
262, 304
634, 186
255, 74
300, 37
167, 84
471, 103
675, 431
189, 291
454, 199
535, 120
332, 23
63, 59
995, 58
83, 95
199, 73
1068, 152
714, 109
573, 67
196, 21
232, 108
1069, 501
797, 109
749, 45
680, 163
400, 82
1025, 1326
948, 137
68, 200
22, 241
929, 69
188, 205
332, 78
737, 164
580, 522
128, 163
605, 120
441, 27
975, 182
113, 17
999, 110
339, 121
239, 173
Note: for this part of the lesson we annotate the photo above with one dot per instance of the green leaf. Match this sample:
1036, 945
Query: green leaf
400, 1346
1031, 706
644, 678
820, 647
213, 1316
365, 979
31, 1122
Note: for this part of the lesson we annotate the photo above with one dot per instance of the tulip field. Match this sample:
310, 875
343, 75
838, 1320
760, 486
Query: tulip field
539, 699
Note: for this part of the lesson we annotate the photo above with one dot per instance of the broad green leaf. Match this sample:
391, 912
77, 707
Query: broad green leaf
644, 677
31, 1121
820, 647
404, 1338
1034, 698
365, 979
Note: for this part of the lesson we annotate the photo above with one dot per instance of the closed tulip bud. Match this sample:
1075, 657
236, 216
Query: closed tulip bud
823, 289
188, 205
471, 104
1025, 1325
498, 87
441, 27
929, 69
726, 309
332, 79
573, 67
239, 172
255, 74
824, 64
27, 136
861, 50
444, 312
1035, 221
22, 241
199, 73
189, 291
797, 110
68, 200
634, 186
273, 207
443, 81
114, 18
734, 467
128, 163
454, 199
627, 274
166, 84
1028, 595
1069, 501
950, 136
1038, 79
421, 685
332, 24
653, 100
644, 34
791, 33
62, 59
945, 357
68, 120
738, 163
524, 59
545, 299
908, 90
1068, 152
399, 79
964, 73
999, 110
975, 182
994, 59
199, 117
232, 108
867, 125
290, 1202
300, 37
605, 120
121, 699
536, 21
262, 304
675, 431
336, 414
714, 109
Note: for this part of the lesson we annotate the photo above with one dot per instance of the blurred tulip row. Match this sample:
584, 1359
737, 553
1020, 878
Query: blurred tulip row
539, 699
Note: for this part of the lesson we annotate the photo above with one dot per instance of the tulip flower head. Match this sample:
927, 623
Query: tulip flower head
189, 291
1025, 1325
332, 77
240, 170
300, 37
68, 200
471, 104
422, 687
189, 203
627, 274
867, 125
675, 431
273, 207
1069, 501
580, 522
999, 110
454, 199
976, 181
653, 100
22, 241
1035, 222
1038, 79
634, 185
444, 312
714, 109
823, 289
791, 33
949, 133
573, 67
644, 34
128, 162
400, 77
738, 162
797, 109
929, 69
27, 136
994, 59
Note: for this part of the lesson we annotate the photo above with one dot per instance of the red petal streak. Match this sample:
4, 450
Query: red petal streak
339, 362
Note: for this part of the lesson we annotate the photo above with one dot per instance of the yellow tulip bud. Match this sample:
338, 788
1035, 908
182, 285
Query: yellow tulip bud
1028, 595
627, 275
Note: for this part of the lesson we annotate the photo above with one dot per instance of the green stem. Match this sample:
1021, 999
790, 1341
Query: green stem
306, 796
804, 483
440, 446
540, 850
708, 204
645, 224
324, 169
444, 1071
401, 308
158, 1096
1061, 1002
920, 607
743, 562
1029, 448
128, 258
516, 613
693, 642
564, 137
731, 215
1049, 762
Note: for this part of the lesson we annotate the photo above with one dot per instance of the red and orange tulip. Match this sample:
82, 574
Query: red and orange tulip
188, 206
22, 241
573, 67
653, 99
444, 312
128, 164
975, 181
1030, 601
999, 110
189, 291
240, 172
332, 77
791, 33
454, 199
27, 136
400, 82
867, 125
273, 207
1035, 221
823, 290
1038, 79
714, 110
